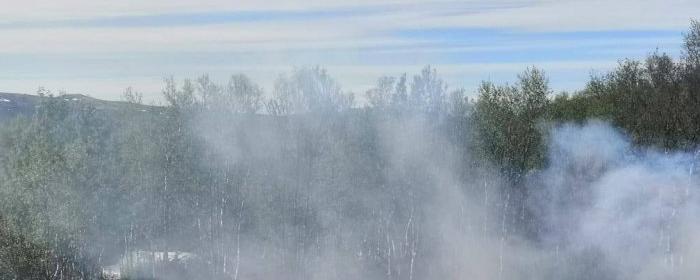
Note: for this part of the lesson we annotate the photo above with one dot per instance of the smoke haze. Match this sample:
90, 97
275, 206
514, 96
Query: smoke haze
600, 208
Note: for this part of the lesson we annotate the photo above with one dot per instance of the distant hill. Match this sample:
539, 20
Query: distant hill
14, 104
17, 104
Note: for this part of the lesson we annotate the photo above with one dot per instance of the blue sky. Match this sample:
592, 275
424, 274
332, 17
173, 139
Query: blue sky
101, 47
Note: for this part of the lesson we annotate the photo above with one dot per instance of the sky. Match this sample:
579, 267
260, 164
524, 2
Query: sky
100, 47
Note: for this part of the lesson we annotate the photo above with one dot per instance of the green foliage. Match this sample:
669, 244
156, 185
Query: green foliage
507, 120
655, 101
50, 173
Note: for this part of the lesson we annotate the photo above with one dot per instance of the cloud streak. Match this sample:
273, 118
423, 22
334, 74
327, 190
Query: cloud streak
386, 33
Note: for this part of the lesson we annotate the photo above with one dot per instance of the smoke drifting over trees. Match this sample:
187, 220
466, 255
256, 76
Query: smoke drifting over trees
228, 182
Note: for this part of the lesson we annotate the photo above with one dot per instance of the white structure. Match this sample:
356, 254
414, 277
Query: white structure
142, 259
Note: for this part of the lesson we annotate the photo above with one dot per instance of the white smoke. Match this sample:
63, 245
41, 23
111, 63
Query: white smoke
612, 211
601, 208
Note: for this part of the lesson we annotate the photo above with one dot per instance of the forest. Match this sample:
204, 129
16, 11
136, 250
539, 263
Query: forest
417, 181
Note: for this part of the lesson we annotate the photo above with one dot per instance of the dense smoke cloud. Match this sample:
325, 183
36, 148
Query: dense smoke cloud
611, 211
389, 195
601, 208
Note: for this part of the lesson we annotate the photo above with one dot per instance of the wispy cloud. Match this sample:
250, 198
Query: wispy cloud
80, 40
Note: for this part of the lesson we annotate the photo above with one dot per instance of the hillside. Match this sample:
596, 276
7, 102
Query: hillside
18, 104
